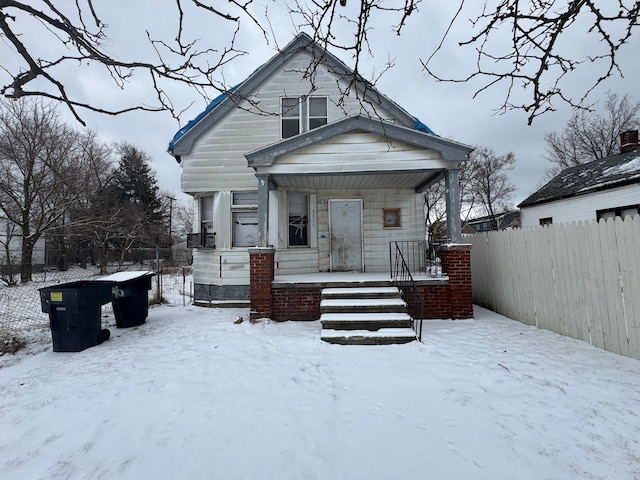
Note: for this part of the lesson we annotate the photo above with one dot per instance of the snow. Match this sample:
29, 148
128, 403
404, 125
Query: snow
124, 276
191, 395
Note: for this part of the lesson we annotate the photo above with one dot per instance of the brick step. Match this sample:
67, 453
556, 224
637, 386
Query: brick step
361, 292
386, 336
365, 321
362, 305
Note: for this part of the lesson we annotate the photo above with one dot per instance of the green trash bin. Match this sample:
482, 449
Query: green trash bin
74, 314
129, 297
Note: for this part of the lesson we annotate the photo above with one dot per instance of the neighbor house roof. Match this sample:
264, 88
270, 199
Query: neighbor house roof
605, 173
184, 138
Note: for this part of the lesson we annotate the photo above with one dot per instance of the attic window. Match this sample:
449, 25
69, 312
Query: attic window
290, 108
300, 114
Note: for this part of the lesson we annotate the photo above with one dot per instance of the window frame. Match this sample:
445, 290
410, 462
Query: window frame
617, 212
545, 221
310, 117
302, 113
289, 118
306, 225
243, 208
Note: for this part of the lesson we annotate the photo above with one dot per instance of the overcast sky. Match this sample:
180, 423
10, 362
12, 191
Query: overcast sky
448, 109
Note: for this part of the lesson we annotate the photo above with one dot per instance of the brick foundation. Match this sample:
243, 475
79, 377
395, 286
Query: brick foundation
456, 263
261, 264
297, 303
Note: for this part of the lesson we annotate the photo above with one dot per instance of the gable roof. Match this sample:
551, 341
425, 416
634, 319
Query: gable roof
184, 138
605, 173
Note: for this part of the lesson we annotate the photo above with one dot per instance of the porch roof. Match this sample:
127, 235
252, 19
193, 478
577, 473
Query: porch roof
317, 160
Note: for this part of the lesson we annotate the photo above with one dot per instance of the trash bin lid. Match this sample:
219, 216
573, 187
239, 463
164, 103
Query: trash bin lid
125, 276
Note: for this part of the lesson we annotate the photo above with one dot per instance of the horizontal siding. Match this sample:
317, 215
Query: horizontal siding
217, 160
582, 207
296, 261
221, 267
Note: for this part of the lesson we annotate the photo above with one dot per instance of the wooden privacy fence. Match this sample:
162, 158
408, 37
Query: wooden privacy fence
580, 280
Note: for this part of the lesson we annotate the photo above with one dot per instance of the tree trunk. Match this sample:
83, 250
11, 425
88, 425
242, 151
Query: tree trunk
26, 268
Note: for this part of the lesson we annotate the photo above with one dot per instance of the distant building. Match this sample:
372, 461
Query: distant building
605, 188
503, 221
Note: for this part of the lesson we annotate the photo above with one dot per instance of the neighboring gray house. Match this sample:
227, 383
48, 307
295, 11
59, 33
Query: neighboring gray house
605, 188
325, 178
504, 220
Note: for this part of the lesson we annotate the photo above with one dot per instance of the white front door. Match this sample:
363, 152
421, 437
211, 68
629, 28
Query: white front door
345, 226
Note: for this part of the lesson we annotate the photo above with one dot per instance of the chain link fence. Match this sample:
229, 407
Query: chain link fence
20, 308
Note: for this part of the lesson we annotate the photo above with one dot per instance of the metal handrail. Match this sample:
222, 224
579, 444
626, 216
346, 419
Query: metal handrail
401, 276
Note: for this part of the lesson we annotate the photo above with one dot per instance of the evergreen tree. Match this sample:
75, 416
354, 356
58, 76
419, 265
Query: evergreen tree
137, 189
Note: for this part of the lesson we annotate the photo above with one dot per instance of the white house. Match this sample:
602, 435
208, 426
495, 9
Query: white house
601, 189
295, 160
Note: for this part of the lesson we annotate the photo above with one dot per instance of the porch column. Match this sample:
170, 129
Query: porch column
263, 209
261, 266
452, 183
456, 263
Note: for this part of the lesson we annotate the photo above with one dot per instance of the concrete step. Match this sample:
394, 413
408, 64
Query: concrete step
362, 305
361, 292
365, 321
386, 336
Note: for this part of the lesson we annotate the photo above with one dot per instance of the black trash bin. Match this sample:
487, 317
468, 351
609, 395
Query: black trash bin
74, 314
129, 297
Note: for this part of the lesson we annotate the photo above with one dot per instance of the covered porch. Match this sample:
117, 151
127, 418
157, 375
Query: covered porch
376, 169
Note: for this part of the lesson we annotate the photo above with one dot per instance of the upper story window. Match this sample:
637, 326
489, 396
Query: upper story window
622, 212
244, 219
300, 114
317, 112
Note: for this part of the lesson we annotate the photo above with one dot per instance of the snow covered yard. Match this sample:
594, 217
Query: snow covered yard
191, 395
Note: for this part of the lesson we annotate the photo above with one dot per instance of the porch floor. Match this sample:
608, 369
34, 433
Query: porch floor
349, 279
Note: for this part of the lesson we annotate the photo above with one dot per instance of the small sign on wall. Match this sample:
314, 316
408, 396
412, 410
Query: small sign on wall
391, 217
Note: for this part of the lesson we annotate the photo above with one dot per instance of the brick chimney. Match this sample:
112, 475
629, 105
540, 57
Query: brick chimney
628, 141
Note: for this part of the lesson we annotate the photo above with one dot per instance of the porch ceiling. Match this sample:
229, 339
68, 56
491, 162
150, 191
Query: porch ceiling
416, 180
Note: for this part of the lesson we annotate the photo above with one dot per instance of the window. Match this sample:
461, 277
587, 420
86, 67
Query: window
622, 212
244, 218
206, 213
298, 217
299, 115
317, 112
546, 221
205, 237
290, 109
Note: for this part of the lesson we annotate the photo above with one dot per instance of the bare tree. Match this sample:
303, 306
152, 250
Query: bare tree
491, 185
589, 136
519, 45
42, 171
522, 45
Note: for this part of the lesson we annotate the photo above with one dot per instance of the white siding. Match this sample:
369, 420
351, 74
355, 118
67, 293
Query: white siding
216, 164
582, 207
217, 160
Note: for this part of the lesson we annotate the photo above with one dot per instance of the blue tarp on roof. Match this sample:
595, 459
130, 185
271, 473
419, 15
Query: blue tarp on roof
214, 103
423, 128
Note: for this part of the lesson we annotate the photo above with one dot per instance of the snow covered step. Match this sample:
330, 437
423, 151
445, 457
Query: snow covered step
365, 321
338, 305
385, 336
361, 292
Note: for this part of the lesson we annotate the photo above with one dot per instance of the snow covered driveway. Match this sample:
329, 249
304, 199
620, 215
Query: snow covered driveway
190, 395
